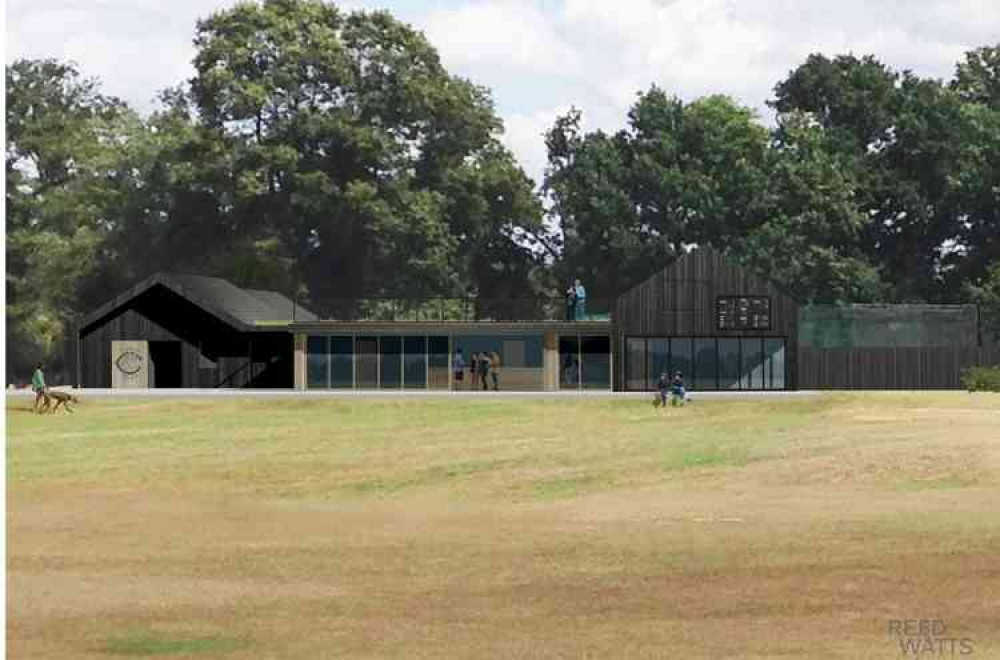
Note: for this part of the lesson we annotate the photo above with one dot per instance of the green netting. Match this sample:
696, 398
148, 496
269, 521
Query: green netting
886, 326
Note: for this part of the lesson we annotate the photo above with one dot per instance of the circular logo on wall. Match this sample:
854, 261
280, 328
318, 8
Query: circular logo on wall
129, 363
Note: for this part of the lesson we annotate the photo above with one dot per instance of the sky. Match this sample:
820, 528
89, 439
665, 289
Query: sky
541, 57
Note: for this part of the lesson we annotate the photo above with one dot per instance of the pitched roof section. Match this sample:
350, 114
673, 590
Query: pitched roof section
282, 306
240, 308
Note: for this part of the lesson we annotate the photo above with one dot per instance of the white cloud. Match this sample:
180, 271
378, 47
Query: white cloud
524, 135
513, 35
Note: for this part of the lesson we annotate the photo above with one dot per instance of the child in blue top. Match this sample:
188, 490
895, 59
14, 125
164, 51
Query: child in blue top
677, 390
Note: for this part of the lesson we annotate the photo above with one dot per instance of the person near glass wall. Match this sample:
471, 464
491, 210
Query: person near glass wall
484, 370
677, 390
458, 366
495, 370
474, 370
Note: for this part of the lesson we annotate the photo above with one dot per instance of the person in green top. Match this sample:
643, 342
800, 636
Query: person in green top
38, 386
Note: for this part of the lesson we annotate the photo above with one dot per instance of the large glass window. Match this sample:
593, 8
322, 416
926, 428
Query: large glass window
635, 366
341, 362
437, 363
391, 363
569, 362
774, 353
657, 361
415, 362
366, 362
706, 364
317, 363
752, 371
729, 364
680, 358
595, 356
515, 361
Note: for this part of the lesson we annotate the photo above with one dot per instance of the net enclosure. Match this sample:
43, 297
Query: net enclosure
888, 326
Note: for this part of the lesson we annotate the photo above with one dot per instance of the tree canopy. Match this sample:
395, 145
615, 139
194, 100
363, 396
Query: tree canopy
330, 154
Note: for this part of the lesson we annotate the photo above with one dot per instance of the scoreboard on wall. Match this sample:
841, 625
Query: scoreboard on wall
743, 313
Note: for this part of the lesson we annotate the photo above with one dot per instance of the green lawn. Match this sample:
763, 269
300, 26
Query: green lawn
561, 527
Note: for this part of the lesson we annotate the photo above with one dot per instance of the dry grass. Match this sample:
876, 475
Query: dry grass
577, 528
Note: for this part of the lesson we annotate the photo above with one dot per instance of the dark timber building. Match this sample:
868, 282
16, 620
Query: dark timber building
724, 327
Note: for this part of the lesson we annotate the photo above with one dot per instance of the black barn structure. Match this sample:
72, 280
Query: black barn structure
187, 331
723, 326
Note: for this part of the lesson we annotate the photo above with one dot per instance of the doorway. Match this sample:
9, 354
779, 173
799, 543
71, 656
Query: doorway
165, 364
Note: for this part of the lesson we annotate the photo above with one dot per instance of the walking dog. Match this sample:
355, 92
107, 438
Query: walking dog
61, 398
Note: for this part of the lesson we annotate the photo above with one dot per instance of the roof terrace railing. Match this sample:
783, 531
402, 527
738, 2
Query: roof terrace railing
455, 309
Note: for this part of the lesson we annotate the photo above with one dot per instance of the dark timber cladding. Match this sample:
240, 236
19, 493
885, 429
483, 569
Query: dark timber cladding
690, 297
200, 332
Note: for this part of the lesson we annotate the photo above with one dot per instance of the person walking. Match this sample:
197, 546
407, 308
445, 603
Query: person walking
677, 390
458, 367
581, 301
495, 370
474, 370
571, 303
484, 370
38, 386
663, 387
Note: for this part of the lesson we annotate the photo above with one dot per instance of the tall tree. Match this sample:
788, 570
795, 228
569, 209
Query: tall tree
810, 235
62, 172
977, 79
676, 175
347, 131
901, 136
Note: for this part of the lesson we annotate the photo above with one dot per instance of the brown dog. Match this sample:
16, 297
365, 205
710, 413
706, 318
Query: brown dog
61, 398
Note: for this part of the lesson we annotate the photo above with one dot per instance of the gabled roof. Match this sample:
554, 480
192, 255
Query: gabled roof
240, 308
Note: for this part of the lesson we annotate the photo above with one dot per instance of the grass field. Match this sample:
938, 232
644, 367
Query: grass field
493, 528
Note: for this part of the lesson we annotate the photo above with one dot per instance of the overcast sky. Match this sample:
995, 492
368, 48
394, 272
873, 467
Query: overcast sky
539, 57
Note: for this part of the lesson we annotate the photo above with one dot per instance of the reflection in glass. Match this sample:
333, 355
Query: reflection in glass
680, 357
366, 362
752, 373
391, 367
705, 365
774, 349
596, 362
317, 363
657, 361
569, 362
437, 363
415, 362
729, 364
341, 362
635, 366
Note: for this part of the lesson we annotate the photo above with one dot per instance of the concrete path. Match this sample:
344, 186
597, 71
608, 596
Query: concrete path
348, 394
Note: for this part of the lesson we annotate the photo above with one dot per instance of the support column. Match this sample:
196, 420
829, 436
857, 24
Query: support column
550, 360
299, 360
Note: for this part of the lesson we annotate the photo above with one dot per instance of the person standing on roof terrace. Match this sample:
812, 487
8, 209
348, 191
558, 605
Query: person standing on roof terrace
581, 301
570, 303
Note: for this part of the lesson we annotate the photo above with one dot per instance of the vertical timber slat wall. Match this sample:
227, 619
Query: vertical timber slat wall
900, 368
213, 353
681, 301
